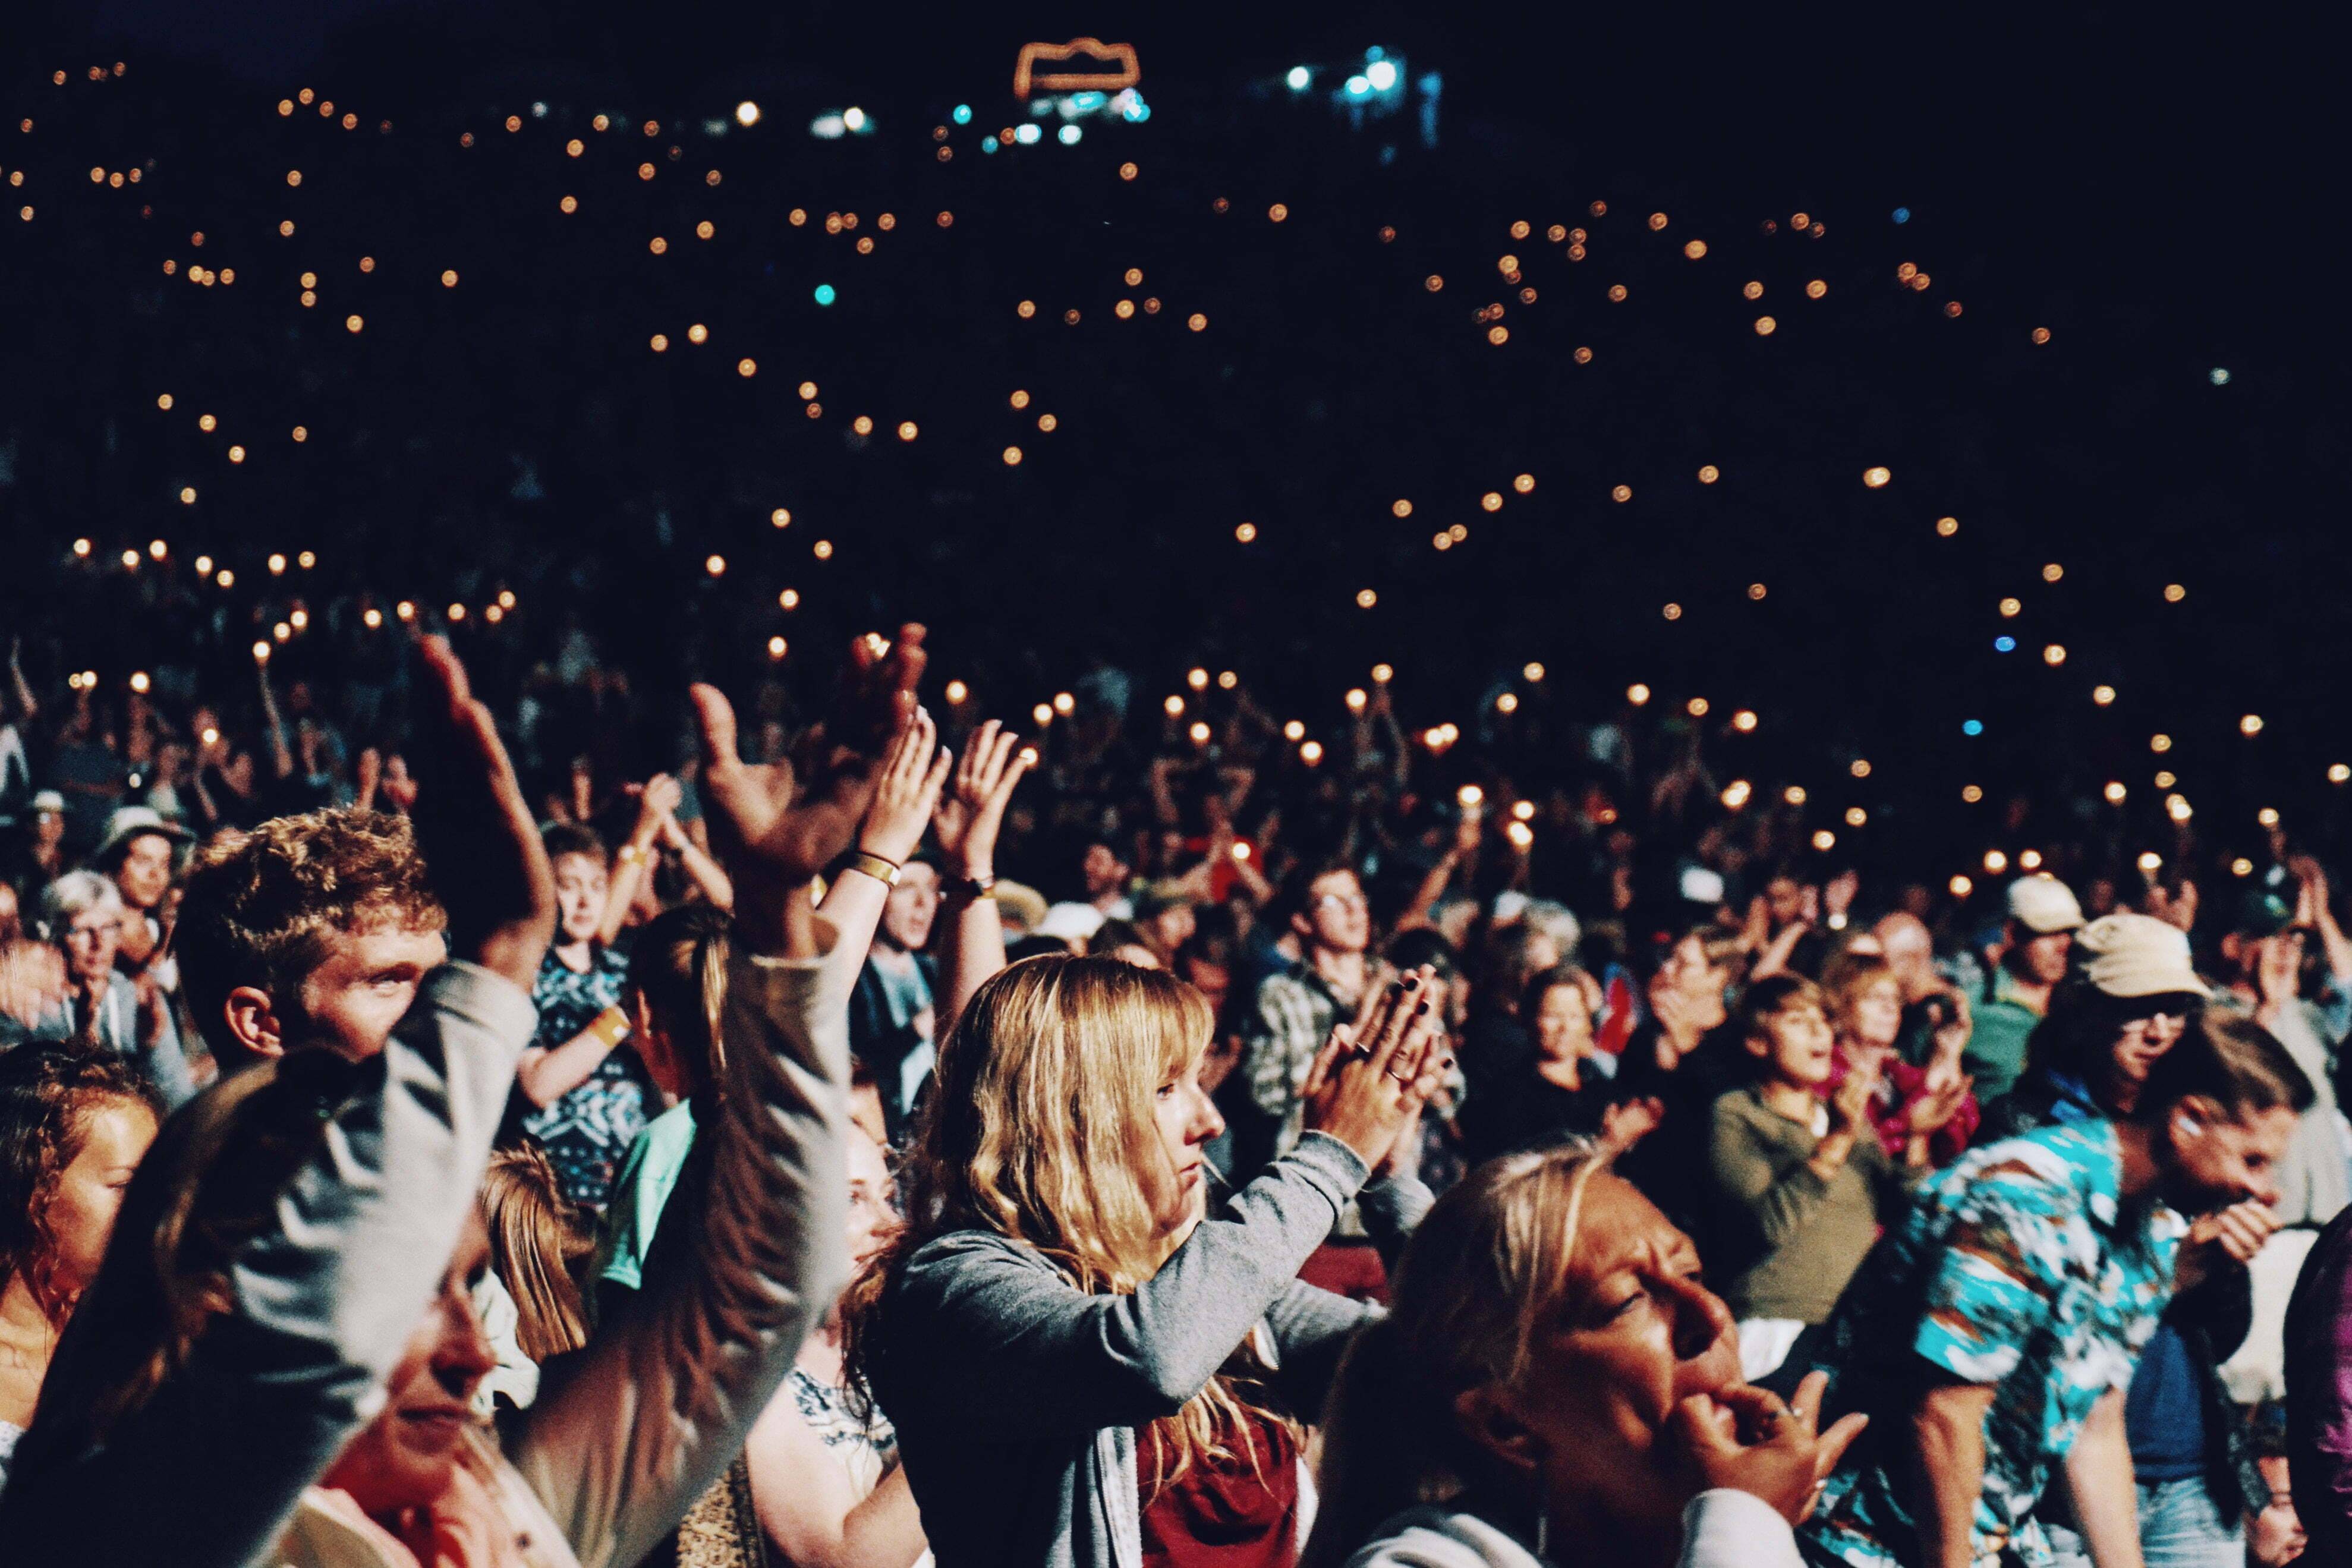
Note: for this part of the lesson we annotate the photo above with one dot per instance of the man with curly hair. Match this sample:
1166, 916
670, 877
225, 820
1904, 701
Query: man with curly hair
310, 929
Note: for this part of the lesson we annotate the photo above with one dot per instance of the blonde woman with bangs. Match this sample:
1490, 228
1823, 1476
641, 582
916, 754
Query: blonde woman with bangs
1554, 1386
1090, 1361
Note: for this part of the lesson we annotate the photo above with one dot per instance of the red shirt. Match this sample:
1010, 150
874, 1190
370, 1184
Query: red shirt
1899, 1084
1225, 1512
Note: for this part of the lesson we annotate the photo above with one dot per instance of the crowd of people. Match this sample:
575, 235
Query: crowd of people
423, 1152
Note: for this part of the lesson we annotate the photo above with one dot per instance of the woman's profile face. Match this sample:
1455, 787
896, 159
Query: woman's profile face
405, 1456
80, 1211
1176, 1184
1634, 1336
872, 1214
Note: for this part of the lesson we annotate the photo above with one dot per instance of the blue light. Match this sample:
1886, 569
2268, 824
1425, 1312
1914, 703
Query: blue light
825, 294
1382, 74
1137, 112
2004, 645
2217, 376
1085, 101
988, 143
1972, 727
1028, 135
1902, 214
1357, 86
962, 115
1070, 134
1298, 77
1376, 53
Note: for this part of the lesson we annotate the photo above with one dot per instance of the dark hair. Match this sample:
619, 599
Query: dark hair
563, 839
1112, 935
2229, 1058
2077, 1035
1421, 944
1509, 960
47, 1095
1774, 995
1544, 980
1722, 946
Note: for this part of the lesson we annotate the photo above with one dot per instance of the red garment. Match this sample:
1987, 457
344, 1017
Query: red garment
1224, 1513
1618, 1015
1350, 1269
1900, 1084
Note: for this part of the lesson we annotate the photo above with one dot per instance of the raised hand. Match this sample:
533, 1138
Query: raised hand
904, 796
1746, 1440
774, 827
481, 846
1851, 1107
1625, 1124
1940, 1103
1951, 1036
399, 783
1838, 892
972, 813
1371, 1079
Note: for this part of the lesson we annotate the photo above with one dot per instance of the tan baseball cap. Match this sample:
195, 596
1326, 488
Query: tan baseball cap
2128, 955
2043, 905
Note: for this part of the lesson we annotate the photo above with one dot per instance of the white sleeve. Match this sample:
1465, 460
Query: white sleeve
1725, 1528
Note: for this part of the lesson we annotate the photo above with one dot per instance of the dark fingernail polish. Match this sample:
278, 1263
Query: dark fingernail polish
1421, 1010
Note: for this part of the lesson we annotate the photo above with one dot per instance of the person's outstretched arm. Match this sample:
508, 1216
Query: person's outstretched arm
661, 1401
326, 1299
977, 1323
969, 816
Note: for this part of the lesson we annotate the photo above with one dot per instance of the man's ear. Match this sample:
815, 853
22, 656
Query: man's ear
1758, 1046
252, 1020
1492, 1425
2193, 1119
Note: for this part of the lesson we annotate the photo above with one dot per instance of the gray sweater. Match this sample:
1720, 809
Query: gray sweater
1016, 1395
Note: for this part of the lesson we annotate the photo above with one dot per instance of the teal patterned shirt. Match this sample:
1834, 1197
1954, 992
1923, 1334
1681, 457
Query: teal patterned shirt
2018, 1266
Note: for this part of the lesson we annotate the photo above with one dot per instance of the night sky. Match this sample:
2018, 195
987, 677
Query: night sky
2167, 201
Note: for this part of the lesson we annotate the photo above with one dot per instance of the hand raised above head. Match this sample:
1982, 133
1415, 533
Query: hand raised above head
906, 792
773, 826
481, 848
971, 811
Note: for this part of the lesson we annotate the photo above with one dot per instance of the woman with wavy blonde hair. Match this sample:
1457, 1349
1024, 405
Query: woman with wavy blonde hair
1085, 1356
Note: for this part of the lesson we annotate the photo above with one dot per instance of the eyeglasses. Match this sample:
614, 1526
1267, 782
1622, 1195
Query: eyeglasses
1341, 901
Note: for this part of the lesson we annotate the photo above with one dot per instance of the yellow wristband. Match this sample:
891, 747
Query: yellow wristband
610, 1027
883, 871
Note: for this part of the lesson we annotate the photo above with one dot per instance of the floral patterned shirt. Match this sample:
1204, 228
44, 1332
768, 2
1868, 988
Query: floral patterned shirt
588, 1129
2020, 1266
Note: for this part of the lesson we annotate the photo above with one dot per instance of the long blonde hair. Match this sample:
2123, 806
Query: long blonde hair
1494, 1254
1039, 1128
536, 1241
